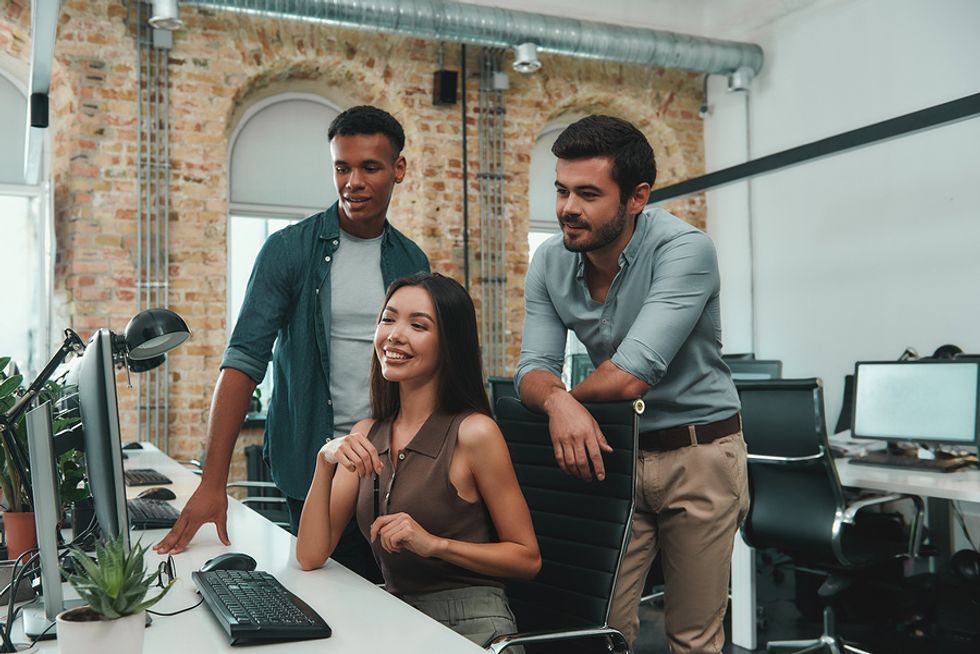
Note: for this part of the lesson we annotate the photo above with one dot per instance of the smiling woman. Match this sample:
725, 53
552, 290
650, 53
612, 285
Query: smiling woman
429, 477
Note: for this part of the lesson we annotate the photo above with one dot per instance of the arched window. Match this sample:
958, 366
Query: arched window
543, 223
279, 172
27, 245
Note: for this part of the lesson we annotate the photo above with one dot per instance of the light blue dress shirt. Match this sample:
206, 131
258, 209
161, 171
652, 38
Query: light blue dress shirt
661, 321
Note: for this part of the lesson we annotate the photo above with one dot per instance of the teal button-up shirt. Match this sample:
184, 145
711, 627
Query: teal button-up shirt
282, 307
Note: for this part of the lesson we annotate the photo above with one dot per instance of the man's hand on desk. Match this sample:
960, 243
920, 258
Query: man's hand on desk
205, 505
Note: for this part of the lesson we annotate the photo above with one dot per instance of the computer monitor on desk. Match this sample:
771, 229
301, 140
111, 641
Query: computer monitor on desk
925, 402
103, 447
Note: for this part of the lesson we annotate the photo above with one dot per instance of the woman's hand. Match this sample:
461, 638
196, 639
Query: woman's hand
399, 531
354, 452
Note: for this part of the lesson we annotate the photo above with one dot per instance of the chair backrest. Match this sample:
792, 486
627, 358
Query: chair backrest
501, 387
844, 418
582, 527
796, 494
746, 369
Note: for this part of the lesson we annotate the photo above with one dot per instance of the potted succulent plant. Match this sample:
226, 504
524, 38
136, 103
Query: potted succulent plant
114, 585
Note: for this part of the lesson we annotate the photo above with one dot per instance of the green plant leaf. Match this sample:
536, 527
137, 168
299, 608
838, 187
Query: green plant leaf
10, 384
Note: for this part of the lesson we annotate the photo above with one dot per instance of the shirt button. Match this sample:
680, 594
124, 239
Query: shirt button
401, 456
329, 402
326, 258
335, 242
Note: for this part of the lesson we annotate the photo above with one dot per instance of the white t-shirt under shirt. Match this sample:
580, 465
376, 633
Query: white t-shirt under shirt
356, 294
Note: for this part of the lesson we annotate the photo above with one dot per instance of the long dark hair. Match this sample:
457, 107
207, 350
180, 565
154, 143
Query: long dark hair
460, 365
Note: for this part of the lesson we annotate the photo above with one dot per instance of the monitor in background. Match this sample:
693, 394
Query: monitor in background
103, 448
744, 369
918, 401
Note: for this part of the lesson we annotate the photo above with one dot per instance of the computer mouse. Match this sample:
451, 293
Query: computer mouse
966, 565
133, 446
230, 561
157, 493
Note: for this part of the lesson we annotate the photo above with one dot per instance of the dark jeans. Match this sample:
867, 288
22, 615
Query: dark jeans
352, 551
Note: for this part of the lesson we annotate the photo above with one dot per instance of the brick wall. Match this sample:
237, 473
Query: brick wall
222, 62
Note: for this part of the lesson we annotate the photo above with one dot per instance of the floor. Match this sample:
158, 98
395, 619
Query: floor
780, 619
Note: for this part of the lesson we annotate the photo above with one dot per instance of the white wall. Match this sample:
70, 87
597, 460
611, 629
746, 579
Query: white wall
858, 255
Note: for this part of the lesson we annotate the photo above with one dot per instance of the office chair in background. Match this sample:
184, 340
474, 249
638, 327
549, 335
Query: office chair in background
743, 369
262, 496
582, 528
798, 505
501, 387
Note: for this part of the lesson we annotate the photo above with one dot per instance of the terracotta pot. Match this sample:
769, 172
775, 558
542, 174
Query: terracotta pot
119, 636
21, 532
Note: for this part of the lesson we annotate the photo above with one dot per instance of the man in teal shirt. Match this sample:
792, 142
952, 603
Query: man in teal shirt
316, 317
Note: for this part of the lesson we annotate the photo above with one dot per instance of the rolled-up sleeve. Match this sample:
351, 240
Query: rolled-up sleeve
685, 276
267, 300
543, 344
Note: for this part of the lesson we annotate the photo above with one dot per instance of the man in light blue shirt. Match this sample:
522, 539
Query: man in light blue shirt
641, 290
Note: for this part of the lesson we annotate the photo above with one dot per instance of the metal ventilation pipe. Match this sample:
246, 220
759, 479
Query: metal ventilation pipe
442, 20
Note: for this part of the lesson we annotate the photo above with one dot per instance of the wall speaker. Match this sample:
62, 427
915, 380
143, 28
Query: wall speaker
444, 87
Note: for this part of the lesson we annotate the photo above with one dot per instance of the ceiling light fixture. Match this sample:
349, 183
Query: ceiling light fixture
166, 15
526, 58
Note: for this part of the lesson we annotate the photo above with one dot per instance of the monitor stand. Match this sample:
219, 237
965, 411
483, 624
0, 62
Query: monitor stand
38, 626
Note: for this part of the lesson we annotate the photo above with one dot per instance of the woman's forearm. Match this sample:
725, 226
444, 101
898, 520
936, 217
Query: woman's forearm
314, 541
492, 559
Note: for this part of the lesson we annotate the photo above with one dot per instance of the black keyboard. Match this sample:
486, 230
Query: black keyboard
943, 464
145, 477
254, 606
151, 514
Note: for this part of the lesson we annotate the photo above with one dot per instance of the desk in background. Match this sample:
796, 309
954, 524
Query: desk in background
961, 485
364, 618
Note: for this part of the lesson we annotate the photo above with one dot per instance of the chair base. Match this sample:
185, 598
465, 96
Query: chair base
828, 642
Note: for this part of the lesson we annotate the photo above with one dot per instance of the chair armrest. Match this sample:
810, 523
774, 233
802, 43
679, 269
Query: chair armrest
915, 529
500, 643
196, 466
850, 513
251, 484
766, 458
258, 499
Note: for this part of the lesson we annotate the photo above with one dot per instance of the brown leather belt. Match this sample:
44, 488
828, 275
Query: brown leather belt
674, 438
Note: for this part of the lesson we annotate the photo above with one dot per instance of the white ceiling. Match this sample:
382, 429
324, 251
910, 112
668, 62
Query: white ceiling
722, 19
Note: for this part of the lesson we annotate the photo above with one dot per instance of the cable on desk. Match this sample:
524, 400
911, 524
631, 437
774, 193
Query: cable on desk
189, 608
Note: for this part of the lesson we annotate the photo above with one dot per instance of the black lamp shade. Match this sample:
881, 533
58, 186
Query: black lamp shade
153, 332
142, 365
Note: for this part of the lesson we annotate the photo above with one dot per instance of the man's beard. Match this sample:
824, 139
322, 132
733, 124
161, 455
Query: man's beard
601, 237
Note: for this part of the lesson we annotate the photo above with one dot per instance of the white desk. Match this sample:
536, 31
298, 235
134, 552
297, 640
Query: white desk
963, 485
363, 617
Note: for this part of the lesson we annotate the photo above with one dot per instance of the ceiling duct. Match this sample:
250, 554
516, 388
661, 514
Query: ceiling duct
441, 20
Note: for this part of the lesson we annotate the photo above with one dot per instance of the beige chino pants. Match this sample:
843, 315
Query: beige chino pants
690, 503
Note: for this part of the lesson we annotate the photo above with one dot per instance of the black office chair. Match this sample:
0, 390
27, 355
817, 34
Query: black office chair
844, 419
262, 496
501, 387
746, 369
798, 504
582, 528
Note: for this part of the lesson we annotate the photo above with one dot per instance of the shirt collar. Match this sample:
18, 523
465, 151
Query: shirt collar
330, 225
629, 253
429, 439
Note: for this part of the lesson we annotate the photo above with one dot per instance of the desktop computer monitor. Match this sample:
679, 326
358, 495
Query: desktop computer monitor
103, 447
919, 401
